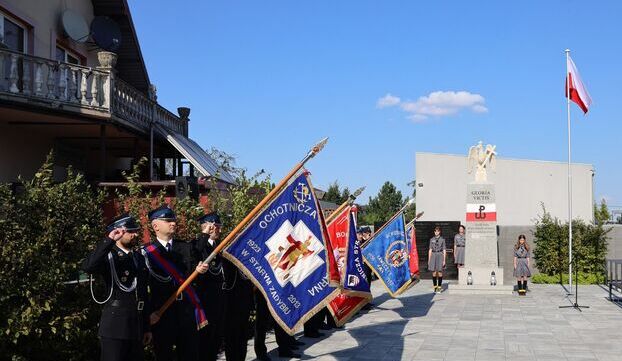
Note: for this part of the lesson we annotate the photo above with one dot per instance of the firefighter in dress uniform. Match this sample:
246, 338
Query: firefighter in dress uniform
213, 290
176, 330
124, 323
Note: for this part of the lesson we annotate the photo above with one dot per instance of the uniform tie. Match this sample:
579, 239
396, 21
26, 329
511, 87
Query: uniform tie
168, 247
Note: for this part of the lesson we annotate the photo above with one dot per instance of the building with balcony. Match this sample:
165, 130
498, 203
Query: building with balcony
91, 103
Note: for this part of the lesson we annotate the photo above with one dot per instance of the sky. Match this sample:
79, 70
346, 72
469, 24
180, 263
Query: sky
385, 79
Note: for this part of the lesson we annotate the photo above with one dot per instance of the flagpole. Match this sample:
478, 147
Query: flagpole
343, 205
312, 152
569, 178
408, 204
417, 216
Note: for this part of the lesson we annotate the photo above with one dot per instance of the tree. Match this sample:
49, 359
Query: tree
234, 202
47, 229
381, 207
411, 211
601, 213
335, 195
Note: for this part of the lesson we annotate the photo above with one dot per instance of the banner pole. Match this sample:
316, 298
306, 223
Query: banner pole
569, 177
312, 152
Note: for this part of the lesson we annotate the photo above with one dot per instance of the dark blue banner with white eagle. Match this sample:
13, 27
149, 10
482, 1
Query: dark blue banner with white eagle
283, 251
387, 255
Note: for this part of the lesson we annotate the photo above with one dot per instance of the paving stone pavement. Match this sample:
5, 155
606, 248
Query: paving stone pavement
420, 325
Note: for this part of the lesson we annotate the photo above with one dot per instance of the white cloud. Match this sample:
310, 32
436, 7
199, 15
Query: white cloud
437, 104
478, 108
387, 101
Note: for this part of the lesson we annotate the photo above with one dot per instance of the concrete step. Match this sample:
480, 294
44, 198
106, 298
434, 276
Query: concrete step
480, 289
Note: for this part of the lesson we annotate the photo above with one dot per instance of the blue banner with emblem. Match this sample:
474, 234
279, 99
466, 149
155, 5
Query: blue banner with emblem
354, 278
283, 252
387, 255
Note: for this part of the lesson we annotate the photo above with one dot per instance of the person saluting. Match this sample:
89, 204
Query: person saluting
124, 323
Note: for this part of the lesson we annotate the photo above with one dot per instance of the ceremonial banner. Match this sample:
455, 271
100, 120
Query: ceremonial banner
413, 257
343, 307
387, 255
356, 293
283, 251
338, 235
347, 252
354, 280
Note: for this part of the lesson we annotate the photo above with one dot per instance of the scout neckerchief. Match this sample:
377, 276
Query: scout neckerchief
170, 269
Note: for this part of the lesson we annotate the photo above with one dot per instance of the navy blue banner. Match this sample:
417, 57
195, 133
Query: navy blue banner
354, 278
283, 251
387, 255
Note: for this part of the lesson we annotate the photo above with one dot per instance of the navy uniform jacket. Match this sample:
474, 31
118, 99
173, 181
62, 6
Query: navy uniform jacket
212, 292
121, 317
185, 258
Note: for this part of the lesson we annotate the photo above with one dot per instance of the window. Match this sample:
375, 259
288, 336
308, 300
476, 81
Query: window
67, 56
12, 35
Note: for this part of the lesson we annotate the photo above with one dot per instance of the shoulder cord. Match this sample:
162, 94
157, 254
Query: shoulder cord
93, 293
217, 272
115, 277
151, 271
224, 284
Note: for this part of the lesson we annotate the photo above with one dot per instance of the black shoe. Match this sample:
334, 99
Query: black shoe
298, 343
325, 327
264, 358
289, 354
313, 334
294, 347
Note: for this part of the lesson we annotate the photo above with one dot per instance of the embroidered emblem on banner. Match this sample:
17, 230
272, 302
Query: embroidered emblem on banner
396, 254
302, 193
294, 253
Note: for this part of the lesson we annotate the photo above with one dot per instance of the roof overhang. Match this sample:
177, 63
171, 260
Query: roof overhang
198, 157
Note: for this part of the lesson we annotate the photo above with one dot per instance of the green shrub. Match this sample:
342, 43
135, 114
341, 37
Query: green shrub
583, 278
46, 230
589, 246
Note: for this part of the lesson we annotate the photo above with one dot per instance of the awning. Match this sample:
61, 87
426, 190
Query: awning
201, 161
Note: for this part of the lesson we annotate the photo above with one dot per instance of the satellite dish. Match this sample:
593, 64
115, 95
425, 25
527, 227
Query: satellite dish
75, 26
106, 33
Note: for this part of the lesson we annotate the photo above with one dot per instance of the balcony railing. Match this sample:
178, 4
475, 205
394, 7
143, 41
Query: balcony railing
89, 91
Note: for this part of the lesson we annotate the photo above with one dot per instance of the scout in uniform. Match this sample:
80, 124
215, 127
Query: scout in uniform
170, 262
521, 264
124, 324
436, 259
459, 243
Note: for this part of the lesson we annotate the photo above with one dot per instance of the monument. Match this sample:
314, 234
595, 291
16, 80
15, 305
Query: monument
481, 272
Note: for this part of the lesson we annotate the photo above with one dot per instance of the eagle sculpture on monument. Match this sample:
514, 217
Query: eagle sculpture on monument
480, 159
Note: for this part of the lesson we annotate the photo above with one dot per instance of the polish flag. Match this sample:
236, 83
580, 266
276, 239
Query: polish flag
576, 88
